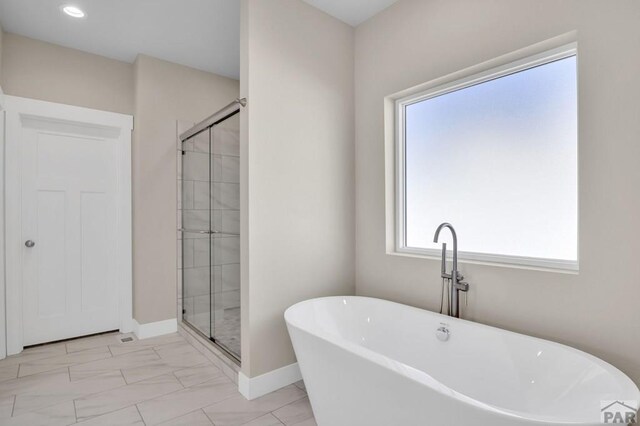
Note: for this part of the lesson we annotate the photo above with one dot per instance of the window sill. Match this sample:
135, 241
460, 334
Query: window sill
502, 261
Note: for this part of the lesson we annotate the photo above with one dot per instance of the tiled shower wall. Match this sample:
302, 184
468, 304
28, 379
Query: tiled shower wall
194, 197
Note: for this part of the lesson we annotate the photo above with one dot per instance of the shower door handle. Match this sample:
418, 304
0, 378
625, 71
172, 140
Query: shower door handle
196, 231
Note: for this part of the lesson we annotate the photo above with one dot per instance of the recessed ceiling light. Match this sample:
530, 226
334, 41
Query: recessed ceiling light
73, 11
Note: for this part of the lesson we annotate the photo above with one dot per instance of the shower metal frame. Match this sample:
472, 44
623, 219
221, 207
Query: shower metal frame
221, 115
215, 118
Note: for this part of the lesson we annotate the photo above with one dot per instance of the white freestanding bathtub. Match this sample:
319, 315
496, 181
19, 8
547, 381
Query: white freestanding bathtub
370, 362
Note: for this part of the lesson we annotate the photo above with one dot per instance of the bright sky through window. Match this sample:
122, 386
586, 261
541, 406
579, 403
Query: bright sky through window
499, 161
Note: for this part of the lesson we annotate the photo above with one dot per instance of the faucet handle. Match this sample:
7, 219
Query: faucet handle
462, 286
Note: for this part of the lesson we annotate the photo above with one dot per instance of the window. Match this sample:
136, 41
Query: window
496, 155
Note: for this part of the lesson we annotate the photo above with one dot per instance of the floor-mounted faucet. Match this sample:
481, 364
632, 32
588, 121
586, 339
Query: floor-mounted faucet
455, 276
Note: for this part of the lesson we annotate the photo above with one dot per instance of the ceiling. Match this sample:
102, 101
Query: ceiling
353, 12
202, 34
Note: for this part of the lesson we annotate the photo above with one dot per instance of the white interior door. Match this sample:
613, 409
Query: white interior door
69, 218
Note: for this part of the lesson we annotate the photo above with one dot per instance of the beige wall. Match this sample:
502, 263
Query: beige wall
45, 71
157, 93
416, 41
164, 92
297, 181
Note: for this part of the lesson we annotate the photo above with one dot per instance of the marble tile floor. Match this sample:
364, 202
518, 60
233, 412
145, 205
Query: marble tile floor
164, 380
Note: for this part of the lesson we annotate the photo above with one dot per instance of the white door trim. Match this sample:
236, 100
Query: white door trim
16, 109
3, 338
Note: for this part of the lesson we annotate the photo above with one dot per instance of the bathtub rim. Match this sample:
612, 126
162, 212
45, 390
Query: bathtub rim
425, 379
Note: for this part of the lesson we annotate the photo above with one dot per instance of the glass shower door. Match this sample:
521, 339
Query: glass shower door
225, 217
211, 233
196, 232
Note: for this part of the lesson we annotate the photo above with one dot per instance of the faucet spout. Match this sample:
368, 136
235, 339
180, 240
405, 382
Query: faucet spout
455, 242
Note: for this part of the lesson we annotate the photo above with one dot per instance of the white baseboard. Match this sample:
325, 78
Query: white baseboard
255, 387
152, 329
126, 325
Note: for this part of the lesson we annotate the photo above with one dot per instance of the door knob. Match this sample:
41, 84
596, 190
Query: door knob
29, 243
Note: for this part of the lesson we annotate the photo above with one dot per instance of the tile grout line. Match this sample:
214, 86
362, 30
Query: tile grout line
279, 419
13, 407
75, 410
139, 349
127, 383
39, 356
65, 342
270, 412
207, 416
57, 371
161, 374
140, 414
121, 408
178, 378
72, 400
68, 366
292, 402
108, 412
201, 408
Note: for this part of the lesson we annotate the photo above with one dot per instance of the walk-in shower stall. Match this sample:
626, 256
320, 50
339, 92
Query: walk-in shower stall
210, 229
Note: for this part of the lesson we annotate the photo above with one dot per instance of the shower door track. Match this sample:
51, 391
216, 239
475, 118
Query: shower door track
217, 345
215, 118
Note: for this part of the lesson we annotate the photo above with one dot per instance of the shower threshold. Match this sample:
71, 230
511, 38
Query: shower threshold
215, 343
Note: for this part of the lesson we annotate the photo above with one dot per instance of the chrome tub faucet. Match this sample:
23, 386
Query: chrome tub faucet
455, 276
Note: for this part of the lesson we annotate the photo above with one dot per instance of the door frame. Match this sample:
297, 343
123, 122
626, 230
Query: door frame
3, 340
16, 108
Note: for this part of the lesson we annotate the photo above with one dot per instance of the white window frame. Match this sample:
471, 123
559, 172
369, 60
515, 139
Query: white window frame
543, 58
